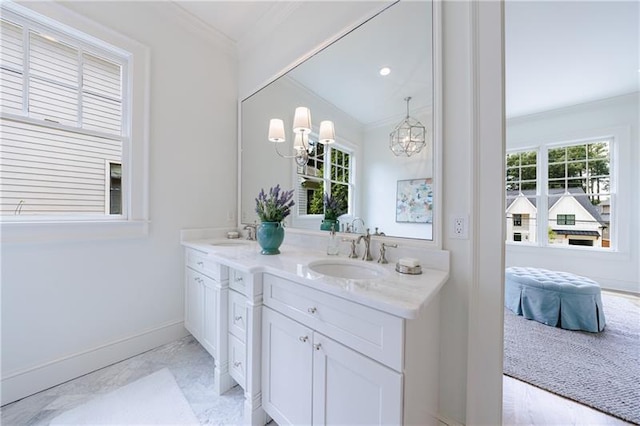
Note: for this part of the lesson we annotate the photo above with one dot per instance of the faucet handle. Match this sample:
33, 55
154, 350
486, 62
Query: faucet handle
383, 250
251, 231
353, 253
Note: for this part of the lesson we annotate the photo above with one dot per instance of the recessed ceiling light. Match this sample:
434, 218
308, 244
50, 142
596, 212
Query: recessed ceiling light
385, 71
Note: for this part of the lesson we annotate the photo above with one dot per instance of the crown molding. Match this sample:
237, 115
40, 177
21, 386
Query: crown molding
276, 16
198, 27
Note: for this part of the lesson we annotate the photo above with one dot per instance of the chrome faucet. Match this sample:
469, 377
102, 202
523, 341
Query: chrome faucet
353, 254
367, 243
383, 246
251, 231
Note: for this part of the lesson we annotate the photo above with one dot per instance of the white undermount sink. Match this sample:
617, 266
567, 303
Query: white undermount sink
347, 269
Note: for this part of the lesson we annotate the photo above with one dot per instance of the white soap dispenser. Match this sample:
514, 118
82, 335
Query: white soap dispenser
333, 247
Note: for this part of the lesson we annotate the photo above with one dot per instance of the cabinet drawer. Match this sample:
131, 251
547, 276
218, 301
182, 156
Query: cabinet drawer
238, 281
200, 262
237, 360
237, 315
374, 333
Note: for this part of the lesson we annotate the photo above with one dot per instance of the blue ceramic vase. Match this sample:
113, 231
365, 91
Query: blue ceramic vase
327, 223
270, 236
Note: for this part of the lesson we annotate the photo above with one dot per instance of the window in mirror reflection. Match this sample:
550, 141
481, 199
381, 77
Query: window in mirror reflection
331, 174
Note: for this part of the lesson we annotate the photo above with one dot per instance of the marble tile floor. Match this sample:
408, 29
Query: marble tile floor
190, 364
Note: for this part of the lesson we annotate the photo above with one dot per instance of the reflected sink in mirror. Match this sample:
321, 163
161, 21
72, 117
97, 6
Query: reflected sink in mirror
231, 243
346, 269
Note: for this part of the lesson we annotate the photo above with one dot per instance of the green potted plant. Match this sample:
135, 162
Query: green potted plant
272, 208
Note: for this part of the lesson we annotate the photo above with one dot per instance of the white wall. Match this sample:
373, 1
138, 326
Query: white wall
69, 308
617, 268
381, 172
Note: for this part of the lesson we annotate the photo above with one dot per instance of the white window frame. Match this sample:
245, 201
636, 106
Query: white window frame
312, 221
537, 195
66, 24
542, 190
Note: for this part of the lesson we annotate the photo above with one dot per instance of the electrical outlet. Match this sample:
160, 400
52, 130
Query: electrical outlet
459, 227
231, 216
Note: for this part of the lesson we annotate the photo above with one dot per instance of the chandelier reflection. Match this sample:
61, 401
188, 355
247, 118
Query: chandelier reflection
303, 146
408, 137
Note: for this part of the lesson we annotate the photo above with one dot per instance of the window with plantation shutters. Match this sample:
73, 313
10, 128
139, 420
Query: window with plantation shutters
63, 125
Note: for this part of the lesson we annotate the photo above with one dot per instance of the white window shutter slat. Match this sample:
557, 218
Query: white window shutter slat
49, 101
54, 61
12, 63
102, 95
11, 91
11, 50
45, 168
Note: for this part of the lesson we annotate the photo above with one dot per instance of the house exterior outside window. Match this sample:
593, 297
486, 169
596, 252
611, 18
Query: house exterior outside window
575, 181
65, 122
521, 187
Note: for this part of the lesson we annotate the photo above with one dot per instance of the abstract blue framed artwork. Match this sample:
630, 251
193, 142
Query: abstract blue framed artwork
414, 201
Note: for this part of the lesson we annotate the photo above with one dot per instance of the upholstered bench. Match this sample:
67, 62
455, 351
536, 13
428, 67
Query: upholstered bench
558, 299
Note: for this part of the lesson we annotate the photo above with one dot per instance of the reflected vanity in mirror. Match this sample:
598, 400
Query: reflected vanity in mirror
375, 85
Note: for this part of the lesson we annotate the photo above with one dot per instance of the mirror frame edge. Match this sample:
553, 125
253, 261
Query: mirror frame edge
437, 119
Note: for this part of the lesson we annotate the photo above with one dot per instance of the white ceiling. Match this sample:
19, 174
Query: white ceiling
236, 19
557, 53
566, 53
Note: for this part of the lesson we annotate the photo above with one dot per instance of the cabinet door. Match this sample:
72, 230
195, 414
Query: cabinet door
193, 309
350, 389
286, 369
211, 303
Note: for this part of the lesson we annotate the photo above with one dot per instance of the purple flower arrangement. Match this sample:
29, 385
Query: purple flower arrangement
331, 207
274, 206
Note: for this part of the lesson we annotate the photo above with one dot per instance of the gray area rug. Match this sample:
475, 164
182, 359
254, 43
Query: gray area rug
601, 370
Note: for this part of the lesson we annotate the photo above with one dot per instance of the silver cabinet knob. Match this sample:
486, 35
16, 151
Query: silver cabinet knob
239, 279
303, 339
238, 318
237, 364
312, 310
317, 346
200, 263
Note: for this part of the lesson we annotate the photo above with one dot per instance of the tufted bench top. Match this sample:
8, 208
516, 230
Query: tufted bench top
559, 299
564, 282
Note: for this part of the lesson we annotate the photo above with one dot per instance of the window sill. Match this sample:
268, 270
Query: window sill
61, 231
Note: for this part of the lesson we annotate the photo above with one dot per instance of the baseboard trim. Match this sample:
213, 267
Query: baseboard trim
21, 383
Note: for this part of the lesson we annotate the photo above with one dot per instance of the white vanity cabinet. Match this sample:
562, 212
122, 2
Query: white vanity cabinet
327, 360
316, 351
312, 379
238, 317
206, 293
244, 321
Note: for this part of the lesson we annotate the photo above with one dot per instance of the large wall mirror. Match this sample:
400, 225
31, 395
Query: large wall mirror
343, 83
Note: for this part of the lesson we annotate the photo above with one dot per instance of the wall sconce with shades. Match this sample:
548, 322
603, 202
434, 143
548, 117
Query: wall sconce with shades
302, 144
408, 137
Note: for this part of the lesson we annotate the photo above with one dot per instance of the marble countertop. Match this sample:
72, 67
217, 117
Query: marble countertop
397, 294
